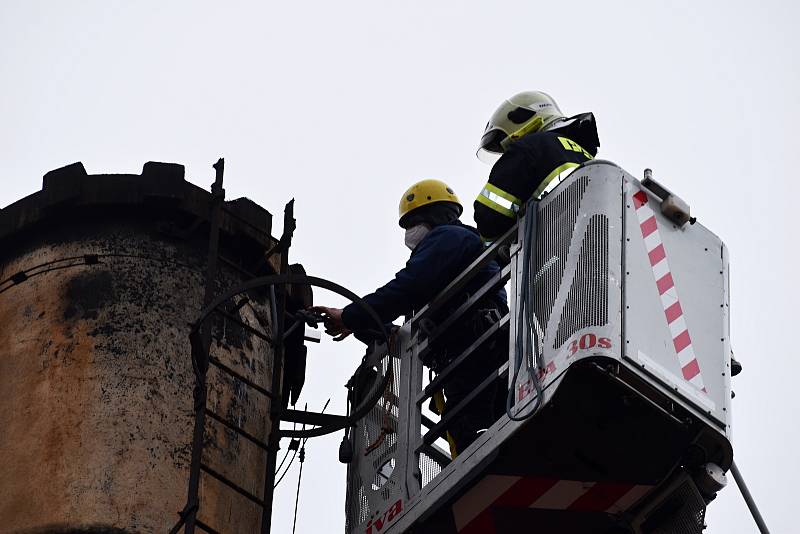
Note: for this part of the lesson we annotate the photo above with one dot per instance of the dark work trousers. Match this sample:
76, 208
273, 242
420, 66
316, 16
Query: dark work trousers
489, 405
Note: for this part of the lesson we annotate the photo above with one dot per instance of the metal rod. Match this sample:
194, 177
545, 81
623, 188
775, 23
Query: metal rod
276, 403
236, 429
183, 515
748, 498
233, 265
232, 485
295, 325
438, 382
311, 418
201, 387
461, 280
79, 261
232, 318
427, 422
499, 278
216, 363
203, 526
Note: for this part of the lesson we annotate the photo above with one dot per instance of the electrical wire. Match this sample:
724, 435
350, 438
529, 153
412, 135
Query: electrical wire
300, 475
286, 470
302, 444
84, 260
299, 479
294, 426
527, 333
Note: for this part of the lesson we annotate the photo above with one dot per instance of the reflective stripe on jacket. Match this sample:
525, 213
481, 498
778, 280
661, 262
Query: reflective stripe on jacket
524, 171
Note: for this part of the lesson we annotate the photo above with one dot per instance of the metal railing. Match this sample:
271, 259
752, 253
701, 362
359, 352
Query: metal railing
420, 343
416, 458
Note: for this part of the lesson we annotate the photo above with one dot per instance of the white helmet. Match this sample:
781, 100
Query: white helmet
523, 113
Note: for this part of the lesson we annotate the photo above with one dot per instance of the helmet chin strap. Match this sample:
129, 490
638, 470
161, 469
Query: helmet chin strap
536, 124
533, 125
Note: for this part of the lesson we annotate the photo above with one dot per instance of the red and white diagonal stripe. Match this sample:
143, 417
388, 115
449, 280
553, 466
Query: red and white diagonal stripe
472, 512
673, 312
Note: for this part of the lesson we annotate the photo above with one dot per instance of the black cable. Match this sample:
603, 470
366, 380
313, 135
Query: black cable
294, 426
300, 476
527, 333
82, 261
299, 479
290, 461
303, 444
286, 470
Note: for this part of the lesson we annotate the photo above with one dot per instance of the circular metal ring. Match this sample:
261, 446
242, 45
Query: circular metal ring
294, 279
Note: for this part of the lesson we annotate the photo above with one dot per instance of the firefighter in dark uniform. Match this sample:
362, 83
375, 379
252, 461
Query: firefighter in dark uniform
441, 248
537, 147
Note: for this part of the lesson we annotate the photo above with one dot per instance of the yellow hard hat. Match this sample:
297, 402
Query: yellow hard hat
425, 193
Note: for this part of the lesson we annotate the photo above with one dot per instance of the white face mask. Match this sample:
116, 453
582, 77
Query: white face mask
415, 234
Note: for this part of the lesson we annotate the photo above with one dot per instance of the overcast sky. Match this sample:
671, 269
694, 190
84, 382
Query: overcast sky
342, 105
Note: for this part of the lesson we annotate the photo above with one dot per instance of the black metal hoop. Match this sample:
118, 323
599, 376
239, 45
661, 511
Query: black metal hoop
337, 422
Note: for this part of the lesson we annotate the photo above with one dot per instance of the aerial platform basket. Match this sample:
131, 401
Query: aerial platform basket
632, 431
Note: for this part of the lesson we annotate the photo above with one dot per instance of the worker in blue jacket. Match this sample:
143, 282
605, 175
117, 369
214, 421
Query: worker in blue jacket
441, 248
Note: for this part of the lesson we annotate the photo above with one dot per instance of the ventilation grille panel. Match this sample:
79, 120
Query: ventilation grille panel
587, 300
428, 468
556, 226
684, 511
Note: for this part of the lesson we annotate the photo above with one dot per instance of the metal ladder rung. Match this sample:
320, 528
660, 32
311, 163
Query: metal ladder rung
205, 527
232, 318
235, 266
241, 491
212, 360
236, 429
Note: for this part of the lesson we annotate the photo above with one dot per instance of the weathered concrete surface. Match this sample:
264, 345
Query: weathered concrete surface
96, 385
